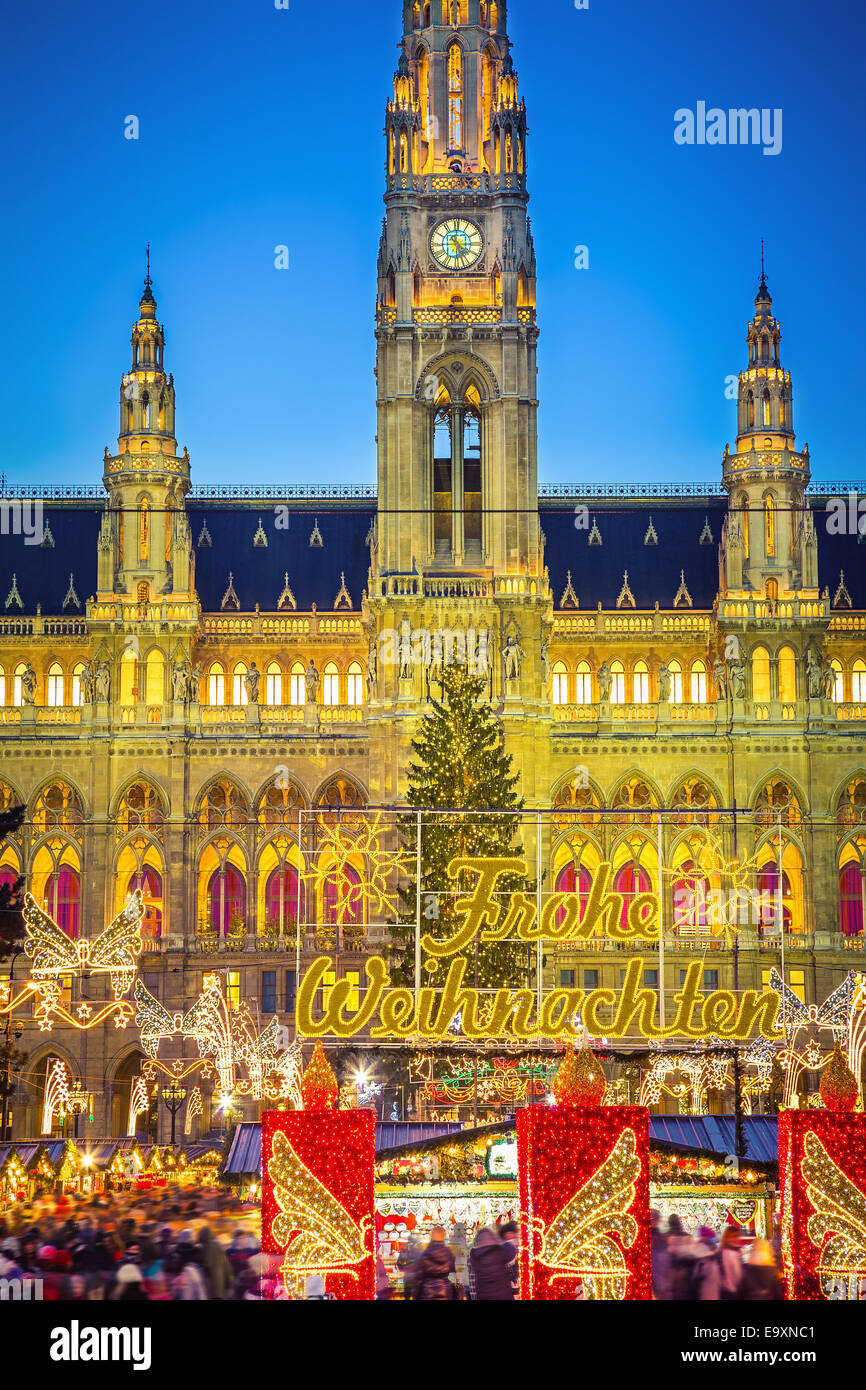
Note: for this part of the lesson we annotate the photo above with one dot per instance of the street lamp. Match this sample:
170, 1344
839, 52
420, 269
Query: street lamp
19, 951
173, 1097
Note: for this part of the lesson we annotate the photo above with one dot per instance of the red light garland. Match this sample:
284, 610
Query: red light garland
822, 1174
318, 1169
584, 1198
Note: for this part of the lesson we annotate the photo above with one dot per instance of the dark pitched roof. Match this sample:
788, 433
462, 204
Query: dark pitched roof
42, 572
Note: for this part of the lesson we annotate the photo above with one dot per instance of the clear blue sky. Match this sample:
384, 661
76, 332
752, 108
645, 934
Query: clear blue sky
261, 127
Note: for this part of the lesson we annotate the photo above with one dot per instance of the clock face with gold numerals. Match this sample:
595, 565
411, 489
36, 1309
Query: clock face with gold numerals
456, 244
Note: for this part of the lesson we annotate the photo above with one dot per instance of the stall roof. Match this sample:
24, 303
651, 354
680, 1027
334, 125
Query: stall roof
714, 1134
244, 1150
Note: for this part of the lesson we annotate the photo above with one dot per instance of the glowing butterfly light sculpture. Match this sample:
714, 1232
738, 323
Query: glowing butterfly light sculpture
822, 1175
804, 1022
54, 955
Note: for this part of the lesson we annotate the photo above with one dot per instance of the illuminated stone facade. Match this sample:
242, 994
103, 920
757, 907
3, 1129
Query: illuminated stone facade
204, 664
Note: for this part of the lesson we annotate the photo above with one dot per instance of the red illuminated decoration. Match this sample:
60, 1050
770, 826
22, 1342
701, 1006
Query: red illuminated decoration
822, 1174
584, 1198
319, 1084
839, 1089
318, 1198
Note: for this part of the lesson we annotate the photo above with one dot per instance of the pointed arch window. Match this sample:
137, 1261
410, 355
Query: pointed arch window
2, 686
699, 683
509, 152
631, 882
129, 419
298, 686
676, 674
617, 690
332, 685
750, 410
154, 678
744, 517
559, 693
216, 685
54, 690
355, 685
143, 529
18, 686
783, 413
787, 675
455, 97
129, 677
761, 686
227, 898
148, 881
283, 898
858, 682
852, 895
765, 410
274, 685
145, 411
239, 685
63, 899
583, 680
640, 683
770, 526
404, 154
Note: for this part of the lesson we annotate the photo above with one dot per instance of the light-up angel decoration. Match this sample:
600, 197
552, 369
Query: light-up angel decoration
803, 1023
194, 1106
139, 1104
56, 1094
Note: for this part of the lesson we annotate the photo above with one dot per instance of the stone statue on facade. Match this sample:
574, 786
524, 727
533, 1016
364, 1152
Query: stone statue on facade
814, 673
180, 682
605, 681
664, 684
88, 682
252, 680
372, 667
545, 662
513, 655
28, 685
103, 682
311, 681
196, 676
720, 676
738, 680
829, 681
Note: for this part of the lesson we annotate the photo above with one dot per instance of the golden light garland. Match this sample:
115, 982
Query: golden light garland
838, 1225
339, 855
139, 1103
56, 1094
319, 1234
114, 952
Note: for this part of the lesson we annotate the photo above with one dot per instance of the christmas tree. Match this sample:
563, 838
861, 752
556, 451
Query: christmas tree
459, 766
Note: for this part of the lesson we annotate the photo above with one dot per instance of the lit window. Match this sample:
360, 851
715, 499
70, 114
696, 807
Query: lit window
144, 516
676, 695
560, 684
699, 683
617, 691
239, 688
455, 97
77, 696
787, 675
641, 684
154, 678
129, 677
55, 685
2, 686
770, 526
233, 990
583, 679
298, 690
839, 682
216, 685
17, 688
858, 682
274, 685
353, 997
760, 674
355, 687
332, 685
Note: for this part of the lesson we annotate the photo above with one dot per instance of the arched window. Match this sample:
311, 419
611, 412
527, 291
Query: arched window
766, 409
699, 684
583, 684
838, 683
149, 881
487, 80
160, 419
858, 682
216, 685
2, 686
771, 590
787, 675
768, 898
416, 16
342, 899
750, 402
239, 688
274, 685
54, 690
455, 97
17, 686
509, 152
617, 687
404, 154
331, 694
283, 898
143, 529
129, 677
783, 413
631, 882
298, 688
691, 894
355, 685
63, 900
559, 693
145, 411
154, 680
76, 695
770, 527
641, 683
227, 899
761, 687
851, 893
129, 422
143, 593
676, 673
571, 880
745, 517
141, 808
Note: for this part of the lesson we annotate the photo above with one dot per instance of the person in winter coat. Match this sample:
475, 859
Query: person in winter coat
661, 1260
761, 1282
432, 1276
490, 1269
216, 1268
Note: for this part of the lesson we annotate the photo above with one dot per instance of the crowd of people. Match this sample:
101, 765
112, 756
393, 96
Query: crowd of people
735, 1266
203, 1244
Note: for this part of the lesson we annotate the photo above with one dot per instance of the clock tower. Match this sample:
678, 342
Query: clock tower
456, 320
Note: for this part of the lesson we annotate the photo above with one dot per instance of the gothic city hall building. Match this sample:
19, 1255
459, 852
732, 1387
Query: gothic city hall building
196, 682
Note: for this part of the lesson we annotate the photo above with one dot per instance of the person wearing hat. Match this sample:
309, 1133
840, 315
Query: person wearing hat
314, 1289
129, 1287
